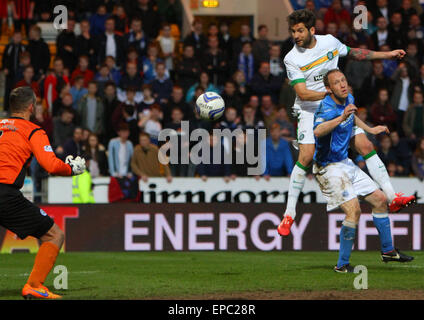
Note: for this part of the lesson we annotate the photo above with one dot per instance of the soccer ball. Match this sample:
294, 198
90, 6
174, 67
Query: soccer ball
210, 106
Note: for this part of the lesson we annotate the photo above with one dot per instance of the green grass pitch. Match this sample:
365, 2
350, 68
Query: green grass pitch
175, 275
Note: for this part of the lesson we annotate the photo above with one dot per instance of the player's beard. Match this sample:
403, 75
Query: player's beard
307, 41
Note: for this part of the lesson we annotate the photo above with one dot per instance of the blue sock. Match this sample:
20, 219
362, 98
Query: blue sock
382, 223
347, 237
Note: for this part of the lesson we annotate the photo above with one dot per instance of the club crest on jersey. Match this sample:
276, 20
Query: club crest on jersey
330, 55
48, 148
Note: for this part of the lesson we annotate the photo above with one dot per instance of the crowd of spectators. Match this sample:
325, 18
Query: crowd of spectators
122, 73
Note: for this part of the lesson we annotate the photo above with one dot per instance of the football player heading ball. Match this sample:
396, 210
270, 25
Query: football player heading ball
307, 63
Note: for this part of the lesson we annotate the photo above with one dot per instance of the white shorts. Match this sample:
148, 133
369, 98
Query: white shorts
342, 181
305, 127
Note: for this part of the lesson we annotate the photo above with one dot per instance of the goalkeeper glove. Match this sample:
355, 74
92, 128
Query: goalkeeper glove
77, 164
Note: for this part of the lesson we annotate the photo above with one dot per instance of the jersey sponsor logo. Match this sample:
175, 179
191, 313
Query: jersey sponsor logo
9, 127
48, 148
347, 121
43, 213
7, 121
318, 78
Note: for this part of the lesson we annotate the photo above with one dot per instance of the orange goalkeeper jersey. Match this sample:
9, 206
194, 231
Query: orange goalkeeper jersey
19, 141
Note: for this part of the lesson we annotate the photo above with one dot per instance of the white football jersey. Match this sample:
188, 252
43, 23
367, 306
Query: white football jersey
310, 66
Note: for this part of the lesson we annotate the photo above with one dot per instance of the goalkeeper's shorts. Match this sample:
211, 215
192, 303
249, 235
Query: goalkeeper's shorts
20, 215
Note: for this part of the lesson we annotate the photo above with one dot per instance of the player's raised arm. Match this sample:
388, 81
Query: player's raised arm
365, 54
325, 127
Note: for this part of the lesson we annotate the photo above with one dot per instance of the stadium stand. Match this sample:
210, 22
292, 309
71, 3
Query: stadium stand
160, 39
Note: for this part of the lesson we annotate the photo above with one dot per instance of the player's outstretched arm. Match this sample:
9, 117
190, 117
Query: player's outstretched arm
308, 95
373, 130
365, 54
45, 156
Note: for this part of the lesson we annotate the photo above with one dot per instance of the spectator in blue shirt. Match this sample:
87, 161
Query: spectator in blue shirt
78, 91
162, 85
97, 21
149, 63
114, 71
279, 160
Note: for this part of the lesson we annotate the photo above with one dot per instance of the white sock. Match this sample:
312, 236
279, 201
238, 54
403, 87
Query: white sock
297, 181
378, 172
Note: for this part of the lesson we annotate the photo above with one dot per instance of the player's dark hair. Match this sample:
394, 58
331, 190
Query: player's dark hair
21, 98
325, 79
305, 16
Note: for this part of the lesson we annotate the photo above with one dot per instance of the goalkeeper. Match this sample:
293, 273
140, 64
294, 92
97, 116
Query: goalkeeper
20, 139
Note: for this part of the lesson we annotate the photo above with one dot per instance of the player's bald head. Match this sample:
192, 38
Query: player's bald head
21, 99
328, 74
336, 82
